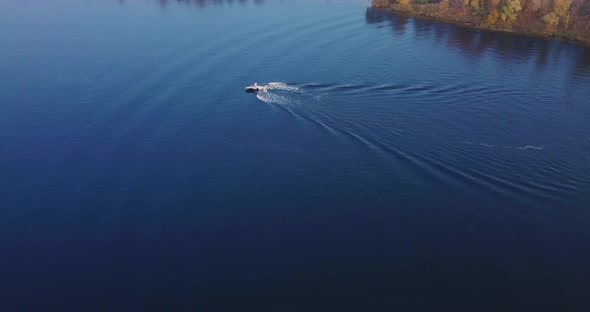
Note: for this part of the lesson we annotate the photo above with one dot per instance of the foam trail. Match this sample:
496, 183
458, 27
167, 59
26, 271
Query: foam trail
530, 147
526, 147
272, 98
280, 86
268, 96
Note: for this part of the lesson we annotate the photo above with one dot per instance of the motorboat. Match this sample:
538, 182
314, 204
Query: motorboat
255, 88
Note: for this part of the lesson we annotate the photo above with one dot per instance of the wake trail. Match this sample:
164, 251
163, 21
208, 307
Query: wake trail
285, 94
277, 93
524, 148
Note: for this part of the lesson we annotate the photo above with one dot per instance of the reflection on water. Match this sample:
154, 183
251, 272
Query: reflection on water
473, 43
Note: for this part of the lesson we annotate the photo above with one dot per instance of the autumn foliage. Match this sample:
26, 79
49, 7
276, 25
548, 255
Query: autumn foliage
560, 18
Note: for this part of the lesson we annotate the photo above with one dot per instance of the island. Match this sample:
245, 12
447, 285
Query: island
566, 19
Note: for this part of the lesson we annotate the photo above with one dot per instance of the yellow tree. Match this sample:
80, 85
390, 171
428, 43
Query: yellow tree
491, 4
533, 5
379, 3
492, 18
551, 21
404, 5
510, 10
561, 9
443, 5
474, 4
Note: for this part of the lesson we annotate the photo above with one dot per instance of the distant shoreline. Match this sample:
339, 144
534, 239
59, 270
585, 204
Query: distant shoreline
466, 19
498, 30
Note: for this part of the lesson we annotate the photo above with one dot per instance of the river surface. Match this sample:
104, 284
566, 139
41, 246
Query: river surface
391, 164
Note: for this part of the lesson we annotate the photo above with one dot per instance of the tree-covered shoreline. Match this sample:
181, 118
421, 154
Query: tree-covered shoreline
568, 19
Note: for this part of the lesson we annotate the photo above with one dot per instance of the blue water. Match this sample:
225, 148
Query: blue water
393, 164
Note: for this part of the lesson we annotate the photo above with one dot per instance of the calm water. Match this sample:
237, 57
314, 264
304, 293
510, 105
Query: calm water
393, 164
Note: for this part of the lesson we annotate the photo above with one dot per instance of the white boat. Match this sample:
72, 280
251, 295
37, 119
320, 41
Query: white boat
255, 88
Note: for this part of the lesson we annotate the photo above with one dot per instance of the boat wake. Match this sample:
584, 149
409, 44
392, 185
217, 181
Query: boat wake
489, 174
271, 98
270, 95
266, 93
281, 86
526, 147
269, 91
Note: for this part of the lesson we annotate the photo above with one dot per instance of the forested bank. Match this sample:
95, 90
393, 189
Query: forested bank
568, 19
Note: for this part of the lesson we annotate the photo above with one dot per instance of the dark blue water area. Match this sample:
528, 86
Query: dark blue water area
390, 164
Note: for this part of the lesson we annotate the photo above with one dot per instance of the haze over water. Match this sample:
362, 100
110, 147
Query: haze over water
393, 163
